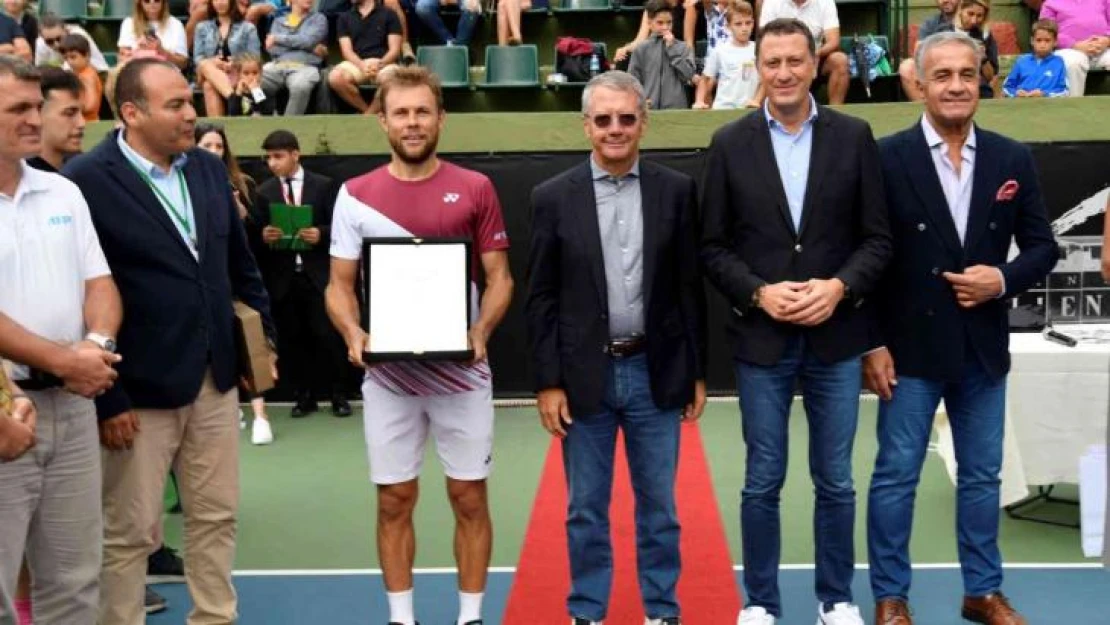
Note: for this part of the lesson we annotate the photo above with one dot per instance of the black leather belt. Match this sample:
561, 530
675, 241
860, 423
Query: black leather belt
40, 381
623, 348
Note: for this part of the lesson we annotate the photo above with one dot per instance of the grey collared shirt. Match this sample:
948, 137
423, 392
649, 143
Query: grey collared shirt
620, 220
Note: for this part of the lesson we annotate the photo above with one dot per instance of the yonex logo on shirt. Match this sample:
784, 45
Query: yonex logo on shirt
60, 220
451, 198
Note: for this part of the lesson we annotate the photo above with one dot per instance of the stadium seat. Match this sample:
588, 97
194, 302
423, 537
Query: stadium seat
117, 9
450, 63
582, 6
512, 67
65, 9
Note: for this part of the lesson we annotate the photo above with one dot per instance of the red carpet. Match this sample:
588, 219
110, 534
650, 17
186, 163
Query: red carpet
706, 590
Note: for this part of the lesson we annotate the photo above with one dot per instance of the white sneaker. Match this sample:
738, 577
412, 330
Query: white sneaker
755, 615
841, 614
581, 621
261, 434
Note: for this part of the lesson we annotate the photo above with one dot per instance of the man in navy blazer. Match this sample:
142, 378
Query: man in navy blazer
958, 196
171, 233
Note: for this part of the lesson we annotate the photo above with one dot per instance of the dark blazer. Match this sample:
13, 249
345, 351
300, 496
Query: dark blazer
748, 236
178, 321
319, 192
567, 306
919, 320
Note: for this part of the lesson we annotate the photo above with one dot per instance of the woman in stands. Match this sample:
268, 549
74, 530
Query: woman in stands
218, 40
971, 18
211, 137
151, 31
508, 21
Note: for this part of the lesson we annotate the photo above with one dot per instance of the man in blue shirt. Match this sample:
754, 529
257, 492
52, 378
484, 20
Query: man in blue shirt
1039, 74
795, 234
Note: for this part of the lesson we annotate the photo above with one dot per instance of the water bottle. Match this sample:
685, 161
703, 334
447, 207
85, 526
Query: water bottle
595, 65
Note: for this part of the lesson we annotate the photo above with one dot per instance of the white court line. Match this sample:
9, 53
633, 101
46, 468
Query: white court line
512, 569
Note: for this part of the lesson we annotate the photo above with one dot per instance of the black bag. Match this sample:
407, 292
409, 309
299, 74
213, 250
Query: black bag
576, 67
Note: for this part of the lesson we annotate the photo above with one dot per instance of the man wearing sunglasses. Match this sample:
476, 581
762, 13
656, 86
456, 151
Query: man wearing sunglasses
51, 31
616, 323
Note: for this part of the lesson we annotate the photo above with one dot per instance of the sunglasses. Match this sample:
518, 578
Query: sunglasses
152, 1
626, 120
51, 42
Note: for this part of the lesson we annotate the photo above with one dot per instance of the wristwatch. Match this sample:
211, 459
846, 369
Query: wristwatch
756, 294
106, 343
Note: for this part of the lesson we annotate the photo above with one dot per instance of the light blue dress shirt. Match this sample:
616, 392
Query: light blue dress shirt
792, 152
170, 187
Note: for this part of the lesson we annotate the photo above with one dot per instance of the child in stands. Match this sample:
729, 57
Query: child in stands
663, 64
1039, 74
730, 66
76, 51
248, 98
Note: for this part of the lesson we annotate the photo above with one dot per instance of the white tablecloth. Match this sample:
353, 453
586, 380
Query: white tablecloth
1057, 400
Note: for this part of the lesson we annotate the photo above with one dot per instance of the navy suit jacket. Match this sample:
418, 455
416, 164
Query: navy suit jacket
927, 332
749, 238
567, 306
178, 321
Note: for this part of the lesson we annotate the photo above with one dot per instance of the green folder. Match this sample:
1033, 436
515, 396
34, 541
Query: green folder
291, 219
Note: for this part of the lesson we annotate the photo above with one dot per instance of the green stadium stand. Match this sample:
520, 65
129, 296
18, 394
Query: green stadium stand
582, 6
450, 63
66, 9
512, 67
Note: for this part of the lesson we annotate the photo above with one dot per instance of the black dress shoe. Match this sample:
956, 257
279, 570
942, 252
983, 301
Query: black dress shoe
340, 407
303, 408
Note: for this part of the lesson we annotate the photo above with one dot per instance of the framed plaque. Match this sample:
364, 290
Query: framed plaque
417, 293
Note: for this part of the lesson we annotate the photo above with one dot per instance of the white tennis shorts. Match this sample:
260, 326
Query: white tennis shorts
397, 427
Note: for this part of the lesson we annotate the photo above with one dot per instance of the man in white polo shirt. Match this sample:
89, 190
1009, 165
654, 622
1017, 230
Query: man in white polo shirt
824, 23
59, 310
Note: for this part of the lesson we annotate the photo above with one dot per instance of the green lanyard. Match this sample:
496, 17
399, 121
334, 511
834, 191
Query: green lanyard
181, 217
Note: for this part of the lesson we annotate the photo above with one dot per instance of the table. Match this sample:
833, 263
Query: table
1057, 404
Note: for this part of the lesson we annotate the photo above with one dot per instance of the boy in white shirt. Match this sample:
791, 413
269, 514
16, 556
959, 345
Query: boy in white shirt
731, 66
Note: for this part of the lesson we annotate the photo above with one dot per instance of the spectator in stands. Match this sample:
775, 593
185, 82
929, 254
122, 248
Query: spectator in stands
17, 10
907, 69
75, 49
824, 24
370, 41
730, 67
63, 125
218, 41
151, 32
12, 40
51, 31
1039, 74
508, 21
682, 12
295, 65
662, 64
1084, 40
971, 18
471, 10
717, 30
249, 99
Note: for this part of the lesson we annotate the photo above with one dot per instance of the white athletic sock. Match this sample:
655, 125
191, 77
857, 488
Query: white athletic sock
400, 607
470, 607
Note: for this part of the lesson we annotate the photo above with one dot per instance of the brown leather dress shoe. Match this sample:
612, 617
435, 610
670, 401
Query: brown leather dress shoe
892, 612
993, 609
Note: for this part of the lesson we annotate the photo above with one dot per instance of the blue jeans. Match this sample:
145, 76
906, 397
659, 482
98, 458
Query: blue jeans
651, 439
428, 12
830, 393
975, 408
